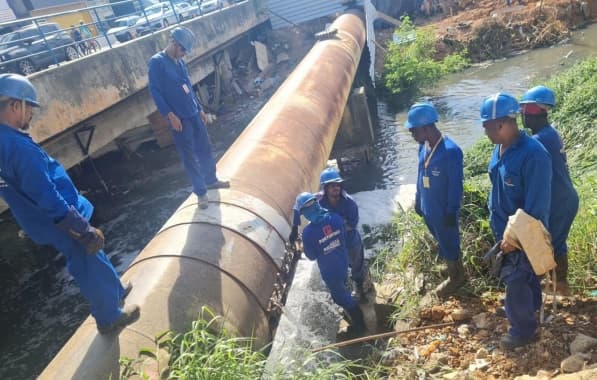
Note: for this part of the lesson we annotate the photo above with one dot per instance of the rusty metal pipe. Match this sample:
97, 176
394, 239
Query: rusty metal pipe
228, 256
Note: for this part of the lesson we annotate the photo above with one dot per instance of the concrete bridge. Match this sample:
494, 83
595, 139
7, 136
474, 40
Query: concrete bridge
105, 95
88, 103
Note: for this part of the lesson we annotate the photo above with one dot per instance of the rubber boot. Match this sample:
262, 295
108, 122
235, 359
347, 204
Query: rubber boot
562, 286
363, 287
357, 322
129, 315
455, 279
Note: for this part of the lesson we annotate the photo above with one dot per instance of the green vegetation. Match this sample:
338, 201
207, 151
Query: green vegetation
411, 63
209, 352
575, 116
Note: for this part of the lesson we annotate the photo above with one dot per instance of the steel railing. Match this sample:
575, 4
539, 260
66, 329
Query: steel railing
40, 45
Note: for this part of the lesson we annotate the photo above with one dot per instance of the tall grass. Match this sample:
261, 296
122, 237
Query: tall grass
209, 352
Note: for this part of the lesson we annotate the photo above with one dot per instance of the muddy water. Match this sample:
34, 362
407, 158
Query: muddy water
458, 99
41, 307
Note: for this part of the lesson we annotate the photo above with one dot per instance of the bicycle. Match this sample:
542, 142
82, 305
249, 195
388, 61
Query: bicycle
92, 44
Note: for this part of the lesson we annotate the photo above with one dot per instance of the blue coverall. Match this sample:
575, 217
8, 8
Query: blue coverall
172, 91
39, 193
564, 199
521, 178
349, 211
324, 241
443, 196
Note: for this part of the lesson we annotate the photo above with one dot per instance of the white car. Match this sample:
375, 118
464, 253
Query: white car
159, 16
210, 6
124, 28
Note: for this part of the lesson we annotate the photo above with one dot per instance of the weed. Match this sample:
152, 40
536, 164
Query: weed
411, 65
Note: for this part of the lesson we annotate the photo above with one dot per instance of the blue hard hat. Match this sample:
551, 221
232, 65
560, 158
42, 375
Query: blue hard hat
302, 199
329, 175
421, 114
499, 106
16, 86
539, 95
184, 37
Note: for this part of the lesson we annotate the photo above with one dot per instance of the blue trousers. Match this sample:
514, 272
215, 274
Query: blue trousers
448, 238
560, 222
96, 277
356, 261
523, 294
338, 290
194, 148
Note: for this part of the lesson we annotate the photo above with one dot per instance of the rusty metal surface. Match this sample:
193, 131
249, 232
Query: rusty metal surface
228, 256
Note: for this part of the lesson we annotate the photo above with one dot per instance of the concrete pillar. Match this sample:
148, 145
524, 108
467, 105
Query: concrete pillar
356, 128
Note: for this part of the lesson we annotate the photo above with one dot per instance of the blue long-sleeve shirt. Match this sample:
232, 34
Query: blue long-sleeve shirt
325, 242
170, 87
35, 186
445, 173
521, 178
562, 189
347, 209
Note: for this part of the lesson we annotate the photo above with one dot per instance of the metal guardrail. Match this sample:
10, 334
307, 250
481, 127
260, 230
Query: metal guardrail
45, 42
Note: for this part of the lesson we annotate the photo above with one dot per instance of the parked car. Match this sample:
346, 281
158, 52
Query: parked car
123, 29
26, 51
161, 16
210, 6
186, 11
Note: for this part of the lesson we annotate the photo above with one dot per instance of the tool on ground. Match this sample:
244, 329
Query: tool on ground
380, 336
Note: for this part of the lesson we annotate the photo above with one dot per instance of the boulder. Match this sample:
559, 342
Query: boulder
582, 343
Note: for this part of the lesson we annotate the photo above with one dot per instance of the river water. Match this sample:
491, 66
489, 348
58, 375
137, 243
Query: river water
40, 304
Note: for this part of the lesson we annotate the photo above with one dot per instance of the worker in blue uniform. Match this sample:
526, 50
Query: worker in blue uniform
334, 198
534, 106
520, 173
172, 91
439, 190
324, 240
49, 208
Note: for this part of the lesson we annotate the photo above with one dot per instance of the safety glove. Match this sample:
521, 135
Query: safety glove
450, 220
77, 227
293, 235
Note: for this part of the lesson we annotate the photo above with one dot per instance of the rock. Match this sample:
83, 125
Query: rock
574, 363
389, 357
482, 353
478, 364
544, 375
582, 343
482, 321
459, 315
440, 357
437, 313
464, 330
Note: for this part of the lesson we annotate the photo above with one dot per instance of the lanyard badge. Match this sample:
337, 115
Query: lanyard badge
426, 182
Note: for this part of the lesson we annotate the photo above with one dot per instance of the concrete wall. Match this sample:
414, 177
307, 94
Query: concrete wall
78, 90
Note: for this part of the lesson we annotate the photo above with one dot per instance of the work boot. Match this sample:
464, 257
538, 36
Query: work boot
363, 287
562, 286
219, 184
455, 279
203, 201
129, 315
509, 342
357, 322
